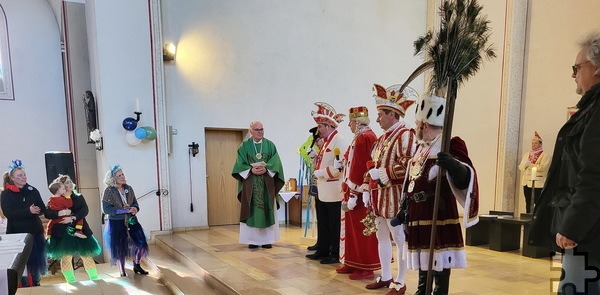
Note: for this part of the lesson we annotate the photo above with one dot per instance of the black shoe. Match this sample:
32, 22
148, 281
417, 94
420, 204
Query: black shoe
252, 246
316, 256
313, 247
267, 246
138, 269
123, 275
330, 260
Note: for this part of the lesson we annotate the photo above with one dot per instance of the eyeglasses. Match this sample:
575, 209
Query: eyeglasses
577, 66
258, 130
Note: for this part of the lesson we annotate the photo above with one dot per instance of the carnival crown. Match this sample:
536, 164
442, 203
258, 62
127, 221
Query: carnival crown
325, 114
356, 112
537, 136
394, 100
431, 109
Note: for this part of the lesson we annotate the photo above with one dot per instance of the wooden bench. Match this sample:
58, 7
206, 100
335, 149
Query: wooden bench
502, 232
479, 234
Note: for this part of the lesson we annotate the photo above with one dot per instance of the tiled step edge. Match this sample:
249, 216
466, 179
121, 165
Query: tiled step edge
215, 283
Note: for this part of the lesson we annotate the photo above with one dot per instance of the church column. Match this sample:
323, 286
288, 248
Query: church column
161, 114
515, 32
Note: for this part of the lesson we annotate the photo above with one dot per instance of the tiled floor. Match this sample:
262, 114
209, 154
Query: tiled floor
216, 256
110, 283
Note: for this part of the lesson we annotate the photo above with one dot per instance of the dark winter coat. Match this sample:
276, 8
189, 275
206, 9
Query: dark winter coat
15, 206
570, 201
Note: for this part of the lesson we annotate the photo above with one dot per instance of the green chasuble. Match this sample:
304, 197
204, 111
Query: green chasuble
257, 193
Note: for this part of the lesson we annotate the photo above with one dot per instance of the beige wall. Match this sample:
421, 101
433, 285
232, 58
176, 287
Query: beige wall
554, 28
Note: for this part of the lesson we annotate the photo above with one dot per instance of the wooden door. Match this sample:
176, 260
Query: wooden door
221, 153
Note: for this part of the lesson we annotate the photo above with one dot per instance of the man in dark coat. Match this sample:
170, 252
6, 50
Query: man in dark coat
568, 216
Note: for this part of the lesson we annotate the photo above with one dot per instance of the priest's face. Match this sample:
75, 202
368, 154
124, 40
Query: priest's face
535, 144
257, 131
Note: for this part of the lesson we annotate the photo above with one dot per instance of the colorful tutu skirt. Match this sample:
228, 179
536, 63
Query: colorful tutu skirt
68, 244
125, 238
37, 265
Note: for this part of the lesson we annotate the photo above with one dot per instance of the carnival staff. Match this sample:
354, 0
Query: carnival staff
459, 184
259, 173
534, 166
328, 173
392, 151
358, 252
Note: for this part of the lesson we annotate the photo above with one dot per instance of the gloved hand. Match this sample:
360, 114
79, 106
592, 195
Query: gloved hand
338, 164
64, 212
374, 173
345, 206
460, 173
366, 198
311, 153
352, 202
395, 221
527, 164
319, 173
446, 160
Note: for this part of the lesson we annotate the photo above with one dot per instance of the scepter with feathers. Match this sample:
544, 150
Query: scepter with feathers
454, 53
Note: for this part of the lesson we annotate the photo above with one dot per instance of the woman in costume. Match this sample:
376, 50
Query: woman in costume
536, 158
61, 242
23, 205
123, 234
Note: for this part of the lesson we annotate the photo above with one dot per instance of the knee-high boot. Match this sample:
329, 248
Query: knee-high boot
422, 287
442, 282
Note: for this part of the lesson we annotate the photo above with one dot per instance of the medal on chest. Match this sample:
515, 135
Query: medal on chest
411, 186
258, 153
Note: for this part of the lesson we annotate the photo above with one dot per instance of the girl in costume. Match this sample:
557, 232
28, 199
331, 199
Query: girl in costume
63, 243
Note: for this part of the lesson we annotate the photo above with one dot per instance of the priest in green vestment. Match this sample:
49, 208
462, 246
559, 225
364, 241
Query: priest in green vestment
259, 173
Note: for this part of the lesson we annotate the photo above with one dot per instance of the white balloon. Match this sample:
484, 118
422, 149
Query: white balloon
131, 139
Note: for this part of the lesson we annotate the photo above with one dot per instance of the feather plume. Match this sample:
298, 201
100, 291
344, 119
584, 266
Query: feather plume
459, 46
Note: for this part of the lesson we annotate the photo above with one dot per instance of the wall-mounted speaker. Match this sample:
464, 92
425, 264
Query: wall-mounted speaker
59, 163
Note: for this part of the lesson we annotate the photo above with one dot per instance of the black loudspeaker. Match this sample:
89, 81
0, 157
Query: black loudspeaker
59, 163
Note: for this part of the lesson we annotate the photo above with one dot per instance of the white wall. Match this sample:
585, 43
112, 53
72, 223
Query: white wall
551, 51
121, 65
268, 60
34, 122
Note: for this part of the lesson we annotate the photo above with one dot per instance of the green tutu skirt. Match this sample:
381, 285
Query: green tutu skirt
56, 248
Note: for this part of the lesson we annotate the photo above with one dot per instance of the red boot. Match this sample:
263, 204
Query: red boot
362, 275
344, 269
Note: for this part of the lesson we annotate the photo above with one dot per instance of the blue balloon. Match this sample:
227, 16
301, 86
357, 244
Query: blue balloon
140, 133
129, 124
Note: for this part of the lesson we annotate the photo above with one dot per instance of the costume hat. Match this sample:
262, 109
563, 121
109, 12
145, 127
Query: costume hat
356, 112
325, 114
431, 109
537, 136
391, 98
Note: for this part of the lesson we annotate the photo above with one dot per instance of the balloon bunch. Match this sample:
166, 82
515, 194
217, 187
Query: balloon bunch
136, 134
